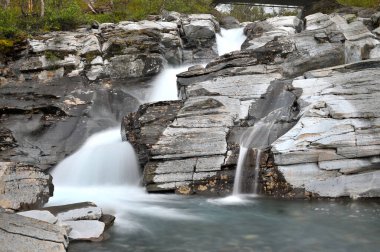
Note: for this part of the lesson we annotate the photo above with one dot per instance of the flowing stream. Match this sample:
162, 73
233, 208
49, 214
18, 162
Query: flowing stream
105, 170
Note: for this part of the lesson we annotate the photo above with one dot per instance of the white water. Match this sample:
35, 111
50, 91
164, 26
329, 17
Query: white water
230, 40
165, 84
102, 160
239, 170
257, 172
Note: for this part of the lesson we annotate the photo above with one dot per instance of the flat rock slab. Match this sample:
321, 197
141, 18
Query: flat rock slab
85, 229
22, 234
77, 211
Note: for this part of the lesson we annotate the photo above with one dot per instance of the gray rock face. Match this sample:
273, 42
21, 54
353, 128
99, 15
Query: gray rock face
19, 233
333, 149
23, 187
42, 123
318, 127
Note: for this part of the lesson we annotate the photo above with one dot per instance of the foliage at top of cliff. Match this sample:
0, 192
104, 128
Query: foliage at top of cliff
361, 3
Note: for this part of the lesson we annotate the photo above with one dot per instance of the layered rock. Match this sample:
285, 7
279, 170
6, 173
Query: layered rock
19, 233
334, 149
257, 95
23, 186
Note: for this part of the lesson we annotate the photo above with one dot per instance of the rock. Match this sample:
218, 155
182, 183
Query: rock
375, 18
87, 230
108, 220
77, 211
95, 72
229, 22
125, 66
19, 233
336, 134
23, 187
44, 215
97, 61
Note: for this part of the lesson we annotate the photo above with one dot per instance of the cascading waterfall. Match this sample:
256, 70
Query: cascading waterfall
230, 40
105, 169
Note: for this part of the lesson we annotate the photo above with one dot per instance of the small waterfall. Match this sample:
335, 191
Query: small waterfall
239, 170
165, 84
230, 40
258, 138
102, 160
257, 171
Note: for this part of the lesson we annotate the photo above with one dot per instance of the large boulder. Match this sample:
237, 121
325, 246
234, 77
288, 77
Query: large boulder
23, 186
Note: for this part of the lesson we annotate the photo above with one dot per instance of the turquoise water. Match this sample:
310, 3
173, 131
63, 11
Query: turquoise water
172, 223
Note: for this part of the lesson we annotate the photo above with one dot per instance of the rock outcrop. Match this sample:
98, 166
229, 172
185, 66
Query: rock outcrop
23, 187
334, 148
257, 94
117, 51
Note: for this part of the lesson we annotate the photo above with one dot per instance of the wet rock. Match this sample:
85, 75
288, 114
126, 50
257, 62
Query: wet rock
229, 23
19, 233
108, 220
23, 187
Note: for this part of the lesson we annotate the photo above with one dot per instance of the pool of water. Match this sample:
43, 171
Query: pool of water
173, 223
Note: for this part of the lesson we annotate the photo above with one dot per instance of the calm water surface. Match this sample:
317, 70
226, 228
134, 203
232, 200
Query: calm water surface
172, 223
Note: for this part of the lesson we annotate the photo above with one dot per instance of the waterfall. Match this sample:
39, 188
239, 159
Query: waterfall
257, 171
102, 160
239, 170
105, 170
165, 84
258, 138
230, 40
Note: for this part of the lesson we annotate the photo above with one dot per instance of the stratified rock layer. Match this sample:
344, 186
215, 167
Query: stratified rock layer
334, 149
257, 95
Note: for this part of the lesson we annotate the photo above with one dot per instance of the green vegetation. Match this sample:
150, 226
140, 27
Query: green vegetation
21, 18
246, 13
360, 3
